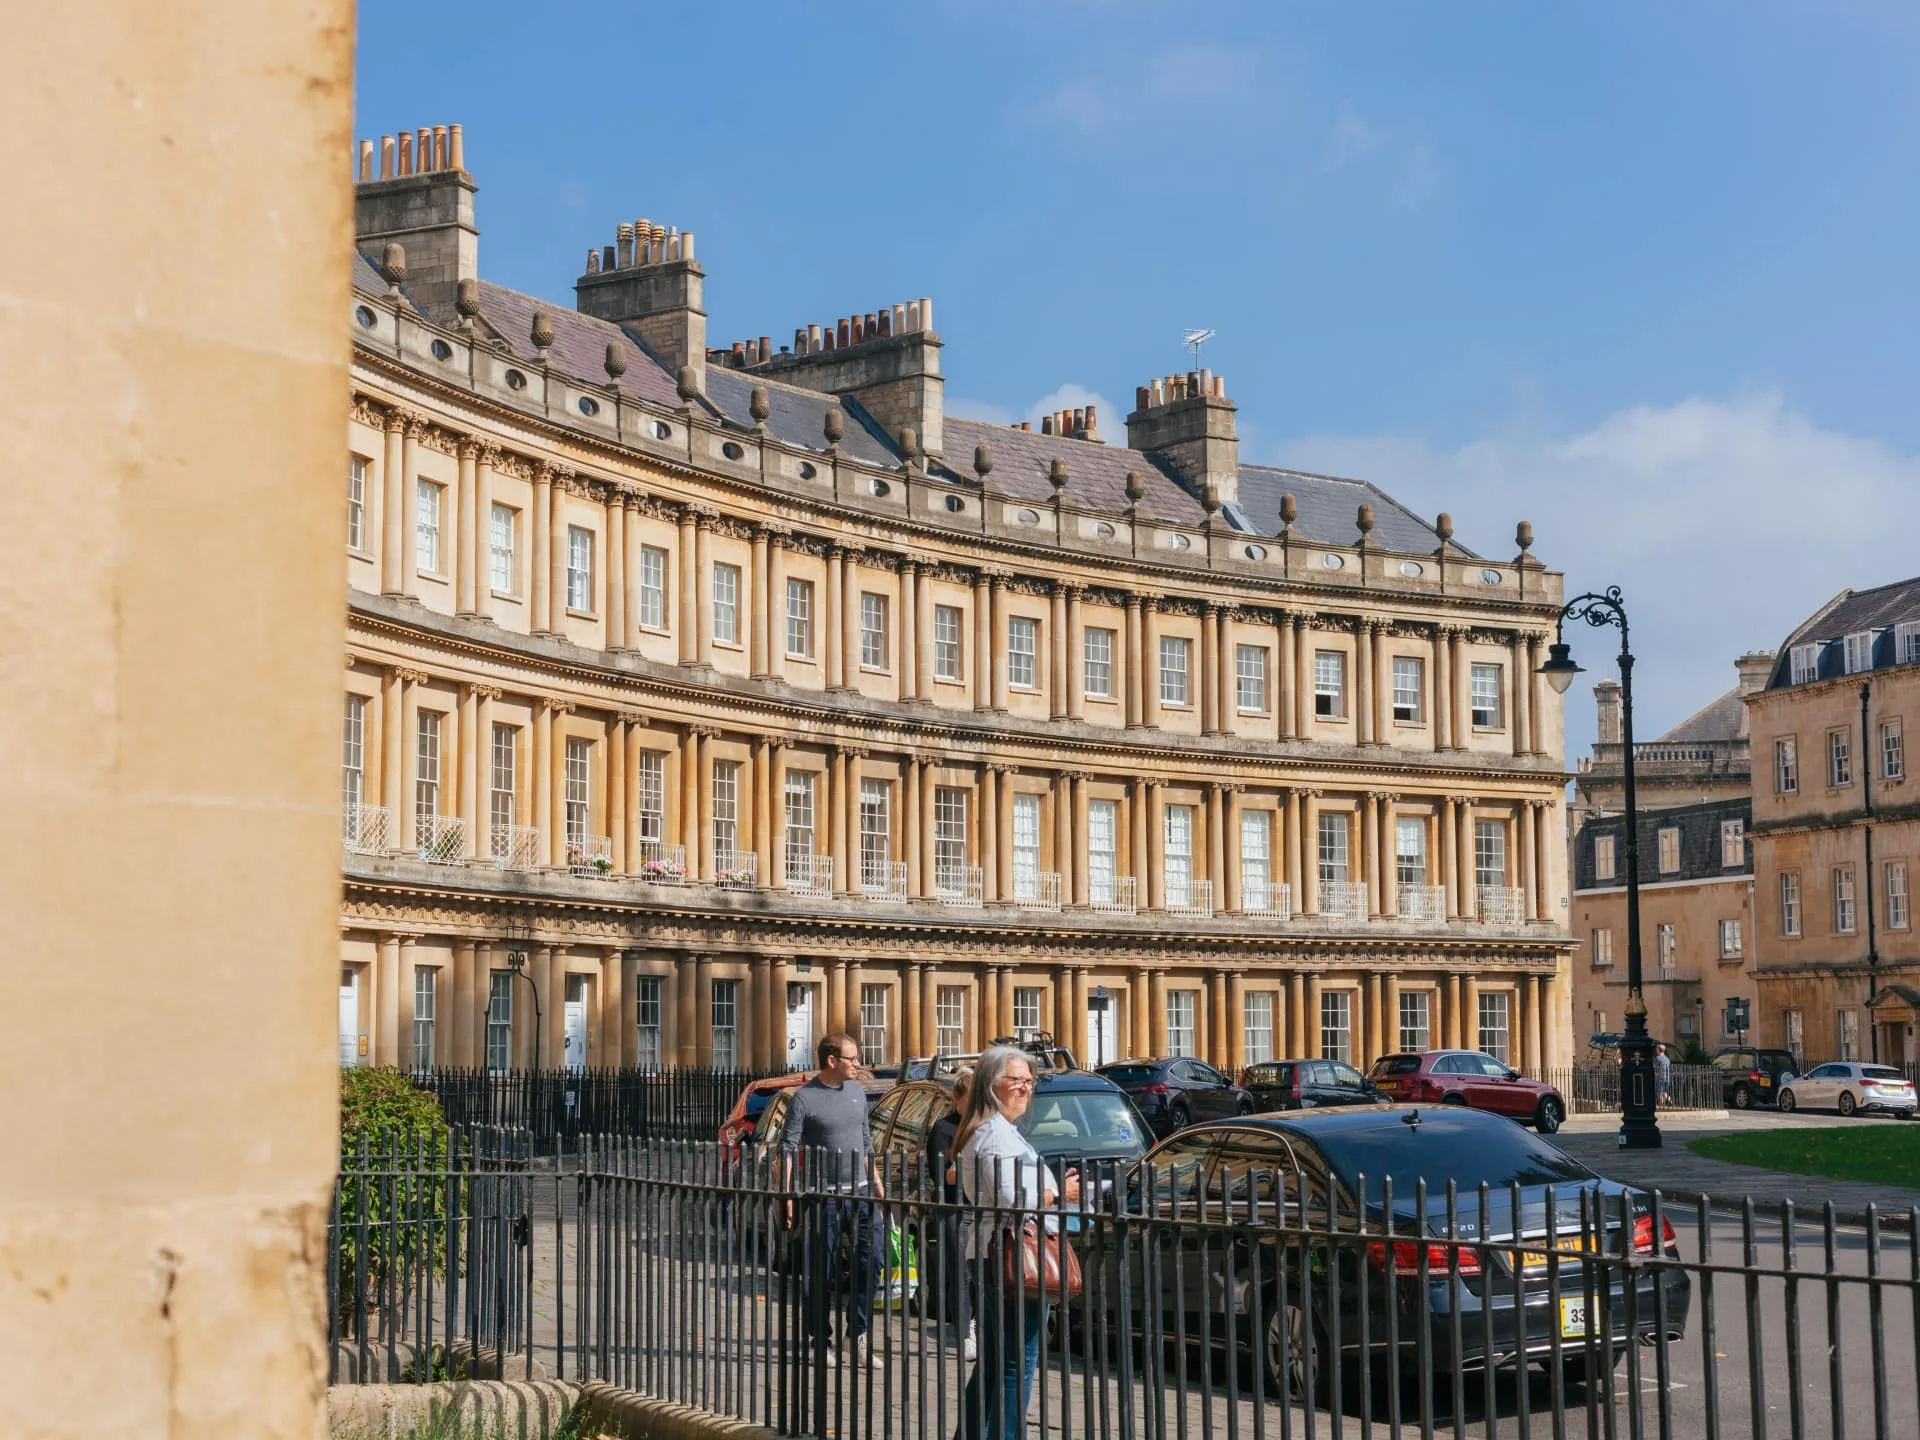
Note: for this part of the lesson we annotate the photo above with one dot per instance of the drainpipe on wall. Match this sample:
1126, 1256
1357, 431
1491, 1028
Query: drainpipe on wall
1873, 938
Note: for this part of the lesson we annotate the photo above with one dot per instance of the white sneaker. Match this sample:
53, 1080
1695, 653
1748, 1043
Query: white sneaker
969, 1350
833, 1358
857, 1352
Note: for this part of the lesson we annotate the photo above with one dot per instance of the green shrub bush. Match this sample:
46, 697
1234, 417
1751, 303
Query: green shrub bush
394, 1148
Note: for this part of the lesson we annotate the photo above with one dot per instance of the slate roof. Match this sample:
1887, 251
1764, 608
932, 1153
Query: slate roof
798, 416
579, 345
1328, 507
1699, 827
1723, 719
1096, 474
1849, 613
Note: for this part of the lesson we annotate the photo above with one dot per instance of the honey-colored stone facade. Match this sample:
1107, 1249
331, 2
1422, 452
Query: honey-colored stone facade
749, 730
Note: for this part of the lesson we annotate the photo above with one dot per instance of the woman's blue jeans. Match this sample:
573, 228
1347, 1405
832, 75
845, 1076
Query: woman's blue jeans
994, 1406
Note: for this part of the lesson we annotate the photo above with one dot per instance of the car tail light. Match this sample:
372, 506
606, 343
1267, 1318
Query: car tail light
1296, 1082
1754, 1075
1643, 1234
1406, 1257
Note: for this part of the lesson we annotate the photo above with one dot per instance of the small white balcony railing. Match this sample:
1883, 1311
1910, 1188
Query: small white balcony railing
1422, 902
959, 885
735, 869
1193, 898
1114, 895
1036, 890
1343, 902
366, 829
591, 856
1500, 905
659, 863
1263, 897
440, 839
810, 875
883, 879
515, 847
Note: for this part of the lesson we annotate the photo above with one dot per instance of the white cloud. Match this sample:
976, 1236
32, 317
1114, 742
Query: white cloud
1724, 522
1406, 167
1140, 92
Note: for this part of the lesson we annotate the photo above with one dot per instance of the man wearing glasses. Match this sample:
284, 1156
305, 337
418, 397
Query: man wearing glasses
826, 1147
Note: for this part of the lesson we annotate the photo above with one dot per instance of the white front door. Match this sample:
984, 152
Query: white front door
1103, 1040
349, 1016
575, 1057
799, 1026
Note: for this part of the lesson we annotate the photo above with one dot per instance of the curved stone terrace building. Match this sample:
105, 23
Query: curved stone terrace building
760, 696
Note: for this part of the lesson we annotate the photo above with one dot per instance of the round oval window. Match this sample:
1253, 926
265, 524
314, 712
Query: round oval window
589, 405
1026, 517
1489, 577
441, 350
662, 430
1179, 542
364, 316
956, 504
807, 472
515, 380
880, 487
732, 450
1412, 569
1333, 562
1104, 530
1256, 552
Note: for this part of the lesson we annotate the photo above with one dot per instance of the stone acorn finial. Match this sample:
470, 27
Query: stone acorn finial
1364, 521
1134, 488
910, 443
982, 461
686, 385
1057, 476
833, 425
1210, 500
543, 331
1523, 536
393, 265
1289, 512
466, 301
759, 406
616, 361
1443, 527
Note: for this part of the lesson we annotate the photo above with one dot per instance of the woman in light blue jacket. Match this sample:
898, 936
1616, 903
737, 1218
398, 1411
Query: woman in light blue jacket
998, 1169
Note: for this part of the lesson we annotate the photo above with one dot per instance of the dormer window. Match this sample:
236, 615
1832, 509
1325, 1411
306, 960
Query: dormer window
1804, 664
1859, 647
1906, 642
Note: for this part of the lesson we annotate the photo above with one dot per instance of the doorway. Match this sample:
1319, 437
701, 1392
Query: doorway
575, 1055
350, 1016
1103, 1030
799, 1026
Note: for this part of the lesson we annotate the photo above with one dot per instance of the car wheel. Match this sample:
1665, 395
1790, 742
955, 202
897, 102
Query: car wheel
1548, 1117
1847, 1103
1453, 1097
1583, 1369
1246, 1105
1742, 1097
1181, 1116
1294, 1380
1786, 1102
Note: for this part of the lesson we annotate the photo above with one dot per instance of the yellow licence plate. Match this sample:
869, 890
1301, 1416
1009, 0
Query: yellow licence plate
1573, 1317
1569, 1245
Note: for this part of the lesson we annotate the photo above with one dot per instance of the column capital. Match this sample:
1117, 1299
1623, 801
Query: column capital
995, 577
1079, 777
467, 448
490, 451
1312, 792
780, 537
703, 732
1001, 767
1134, 603
1228, 787
1450, 631
909, 566
398, 419
704, 516
1539, 802
846, 751
484, 692
633, 717
1213, 609
1459, 800
1382, 796
555, 705
416, 677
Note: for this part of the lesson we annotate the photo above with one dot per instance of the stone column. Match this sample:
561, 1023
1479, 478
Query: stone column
838, 973
763, 811
1076, 1026
1526, 1024
1219, 1051
1303, 677
765, 1006
1230, 859
1469, 873
1310, 846
1082, 888
993, 1021
1150, 667
703, 1011
630, 777
1543, 887
471, 758
1290, 838
1382, 683
1536, 729
1312, 1035
854, 756
616, 801
1376, 1019
983, 666
835, 801
1442, 688
1135, 665
394, 514
1236, 1023
1139, 824
690, 768
993, 828
1005, 996
1209, 677
1063, 834
995, 643
703, 587
1157, 1012
539, 572
1217, 841
776, 621
1156, 841
1390, 1012
687, 623
384, 1027
1057, 653
458, 1003
1452, 987
1296, 1014
1369, 852
1528, 862
911, 981
1363, 731
616, 568
930, 1010
543, 815
910, 827
1286, 681
1448, 861
465, 528
907, 668
1076, 663
777, 817
487, 455
613, 1008
923, 645
630, 579
1462, 687
410, 503
928, 851
759, 611
850, 620
1520, 687
1226, 674
557, 553
538, 1034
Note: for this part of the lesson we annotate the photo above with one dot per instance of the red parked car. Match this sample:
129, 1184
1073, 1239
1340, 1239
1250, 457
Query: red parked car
1468, 1077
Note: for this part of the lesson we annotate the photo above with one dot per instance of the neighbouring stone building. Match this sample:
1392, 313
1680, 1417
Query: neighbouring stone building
733, 693
1836, 832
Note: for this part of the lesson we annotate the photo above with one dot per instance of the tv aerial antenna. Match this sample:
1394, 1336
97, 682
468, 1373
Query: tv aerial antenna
1194, 339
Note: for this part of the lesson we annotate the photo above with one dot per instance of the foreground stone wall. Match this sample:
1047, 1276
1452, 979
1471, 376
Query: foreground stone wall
172, 366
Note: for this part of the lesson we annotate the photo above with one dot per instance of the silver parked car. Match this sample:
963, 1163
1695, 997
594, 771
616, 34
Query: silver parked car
1850, 1086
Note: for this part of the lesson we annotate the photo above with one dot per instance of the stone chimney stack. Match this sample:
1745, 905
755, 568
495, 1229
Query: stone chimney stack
887, 360
1754, 667
1606, 699
1186, 423
656, 286
417, 191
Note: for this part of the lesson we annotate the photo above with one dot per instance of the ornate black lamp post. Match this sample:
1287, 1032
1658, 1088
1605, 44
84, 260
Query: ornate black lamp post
1639, 1122
519, 937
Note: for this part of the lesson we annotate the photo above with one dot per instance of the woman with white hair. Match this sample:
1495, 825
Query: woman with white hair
997, 1168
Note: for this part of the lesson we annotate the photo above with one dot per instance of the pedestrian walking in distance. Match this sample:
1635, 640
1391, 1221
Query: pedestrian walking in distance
1662, 1075
826, 1145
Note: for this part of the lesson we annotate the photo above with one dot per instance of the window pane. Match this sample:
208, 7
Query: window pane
1026, 847
873, 631
800, 618
1410, 850
500, 1020
873, 1024
1102, 845
653, 795
1486, 696
1336, 1026
1173, 670
647, 1022
726, 604
946, 642
353, 762
1180, 1037
1494, 1030
579, 568
579, 759
502, 789
726, 806
356, 502
425, 986
1178, 855
1251, 667
1256, 869
500, 575
426, 531
1786, 766
1416, 1020
876, 832
1259, 1026
1490, 852
653, 588
1329, 683
799, 827
1407, 687
1333, 849
1099, 662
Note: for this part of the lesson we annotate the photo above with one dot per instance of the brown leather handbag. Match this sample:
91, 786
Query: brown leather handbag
1041, 1265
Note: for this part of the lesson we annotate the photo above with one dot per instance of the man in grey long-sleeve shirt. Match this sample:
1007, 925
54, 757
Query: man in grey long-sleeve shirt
826, 1133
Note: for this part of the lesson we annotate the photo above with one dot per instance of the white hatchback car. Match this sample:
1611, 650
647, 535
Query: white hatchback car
1849, 1086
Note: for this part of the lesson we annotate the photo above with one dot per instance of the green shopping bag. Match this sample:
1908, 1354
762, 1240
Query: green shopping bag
900, 1280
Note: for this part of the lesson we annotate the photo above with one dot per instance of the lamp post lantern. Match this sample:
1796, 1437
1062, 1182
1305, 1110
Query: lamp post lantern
519, 937
1639, 1120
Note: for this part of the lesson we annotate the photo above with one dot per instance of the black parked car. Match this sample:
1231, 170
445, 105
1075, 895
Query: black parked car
1291, 1299
1307, 1085
1172, 1094
1750, 1076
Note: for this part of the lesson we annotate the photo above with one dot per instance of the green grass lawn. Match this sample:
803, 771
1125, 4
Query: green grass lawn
1884, 1150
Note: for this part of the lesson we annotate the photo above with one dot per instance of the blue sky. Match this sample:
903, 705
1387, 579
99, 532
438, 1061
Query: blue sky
1641, 273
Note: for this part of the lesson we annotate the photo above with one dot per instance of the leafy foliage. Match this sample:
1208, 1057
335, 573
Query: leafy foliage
393, 1192
383, 1109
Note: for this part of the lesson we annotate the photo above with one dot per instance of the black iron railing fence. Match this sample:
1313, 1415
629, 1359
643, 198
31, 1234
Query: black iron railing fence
1244, 1302
1592, 1089
559, 1105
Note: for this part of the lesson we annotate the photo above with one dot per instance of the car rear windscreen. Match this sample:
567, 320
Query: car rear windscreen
1269, 1074
1881, 1072
1131, 1074
1090, 1122
1396, 1065
1499, 1155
